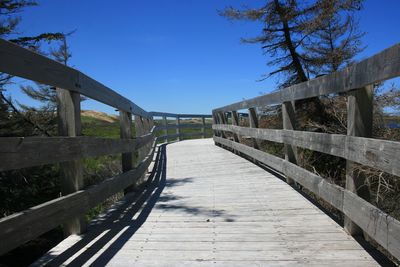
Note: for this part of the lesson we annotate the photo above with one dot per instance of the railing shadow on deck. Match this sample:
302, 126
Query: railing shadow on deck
126, 217
119, 219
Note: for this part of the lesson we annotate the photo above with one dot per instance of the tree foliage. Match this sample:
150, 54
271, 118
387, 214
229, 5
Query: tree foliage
304, 38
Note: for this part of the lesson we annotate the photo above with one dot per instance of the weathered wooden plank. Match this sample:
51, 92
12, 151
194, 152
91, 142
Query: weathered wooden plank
69, 124
210, 215
174, 115
204, 126
178, 131
382, 66
18, 61
289, 123
22, 152
125, 122
380, 154
359, 123
26, 225
235, 121
253, 121
380, 226
182, 126
270, 160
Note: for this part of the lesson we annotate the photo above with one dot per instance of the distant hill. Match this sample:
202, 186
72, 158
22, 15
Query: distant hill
101, 116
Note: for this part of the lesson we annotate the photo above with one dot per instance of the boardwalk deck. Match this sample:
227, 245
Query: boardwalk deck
210, 207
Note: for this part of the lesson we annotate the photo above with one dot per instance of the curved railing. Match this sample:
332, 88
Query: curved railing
357, 81
68, 148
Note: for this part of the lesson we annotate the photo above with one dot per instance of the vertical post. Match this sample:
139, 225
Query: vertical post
178, 129
139, 131
166, 129
69, 124
253, 120
125, 123
235, 121
289, 123
214, 122
203, 128
359, 123
221, 120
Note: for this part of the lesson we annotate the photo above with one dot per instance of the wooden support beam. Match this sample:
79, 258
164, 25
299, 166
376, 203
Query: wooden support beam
235, 121
203, 128
253, 121
178, 130
289, 123
359, 123
165, 123
69, 124
125, 122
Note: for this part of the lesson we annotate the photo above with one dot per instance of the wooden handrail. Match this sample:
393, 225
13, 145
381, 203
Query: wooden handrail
70, 147
355, 147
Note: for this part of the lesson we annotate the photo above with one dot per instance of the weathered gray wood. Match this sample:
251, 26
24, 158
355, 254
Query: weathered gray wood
165, 125
125, 121
29, 224
382, 66
209, 215
253, 121
22, 152
69, 124
359, 123
380, 226
203, 128
18, 61
235, 121
173, 115
182, 126
178, 130
380, 154
289, 123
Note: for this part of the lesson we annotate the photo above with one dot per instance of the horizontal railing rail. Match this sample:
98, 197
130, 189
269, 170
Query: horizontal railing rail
178, 126
356, 147
70, 147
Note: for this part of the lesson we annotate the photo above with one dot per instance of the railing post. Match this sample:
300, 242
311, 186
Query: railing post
235, 121
69, 124
203, 128
359, 123
178, 129
125, 122
221, 120
253, 121
289, 123
166, 129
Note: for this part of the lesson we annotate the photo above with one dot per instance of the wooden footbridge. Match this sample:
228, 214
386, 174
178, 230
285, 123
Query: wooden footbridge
204, 202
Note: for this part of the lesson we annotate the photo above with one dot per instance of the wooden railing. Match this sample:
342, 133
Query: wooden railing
356, 147
70, 147
180, 127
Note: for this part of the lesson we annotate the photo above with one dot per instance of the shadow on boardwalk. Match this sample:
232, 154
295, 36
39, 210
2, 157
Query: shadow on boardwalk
108, 234
118, 225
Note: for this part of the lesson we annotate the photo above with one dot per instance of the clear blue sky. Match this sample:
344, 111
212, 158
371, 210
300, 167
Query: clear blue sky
177, 55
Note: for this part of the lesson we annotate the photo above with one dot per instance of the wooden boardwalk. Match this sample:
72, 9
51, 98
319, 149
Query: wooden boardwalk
209, 207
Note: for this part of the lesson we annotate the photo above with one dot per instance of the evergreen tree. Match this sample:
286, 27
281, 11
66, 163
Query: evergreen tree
292, 29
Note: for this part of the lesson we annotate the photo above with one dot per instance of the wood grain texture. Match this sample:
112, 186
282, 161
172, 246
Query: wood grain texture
174, 115
23, 152
382, 66
205, 214
69, 124
29, 224
359, 123
383, 228
380, 154
24, 63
